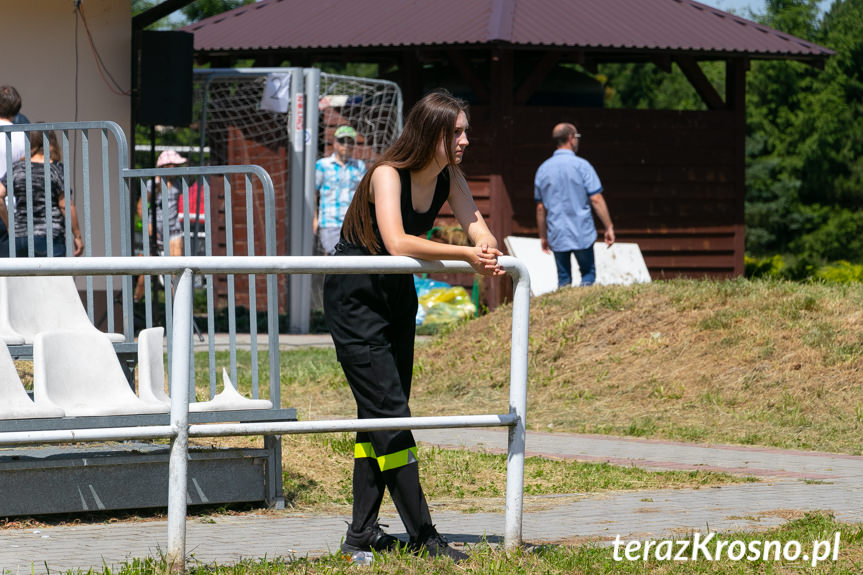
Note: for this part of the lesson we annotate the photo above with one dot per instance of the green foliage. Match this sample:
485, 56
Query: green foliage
139, 6
768, 267
647, 86
165, 136
206, 8
777, 267
357, 69
839, 236
195, 11
804, 152
841, 272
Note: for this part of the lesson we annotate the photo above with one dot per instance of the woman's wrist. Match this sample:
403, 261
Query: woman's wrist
469, 255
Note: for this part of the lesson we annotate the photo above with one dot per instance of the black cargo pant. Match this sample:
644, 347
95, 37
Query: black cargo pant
372, 321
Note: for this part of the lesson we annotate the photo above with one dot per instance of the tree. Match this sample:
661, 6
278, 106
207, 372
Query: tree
647, 86
191, 13
804, 139
206, 8
139, 6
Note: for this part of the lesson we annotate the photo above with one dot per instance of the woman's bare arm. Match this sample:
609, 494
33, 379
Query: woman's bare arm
386, 187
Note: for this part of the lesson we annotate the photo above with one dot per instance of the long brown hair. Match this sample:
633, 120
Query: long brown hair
431, 119
37, 145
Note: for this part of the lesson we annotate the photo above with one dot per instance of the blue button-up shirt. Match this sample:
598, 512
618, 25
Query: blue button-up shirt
564, 184
336, 185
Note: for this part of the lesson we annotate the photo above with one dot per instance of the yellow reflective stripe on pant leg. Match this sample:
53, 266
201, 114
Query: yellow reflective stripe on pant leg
398, 459
364, 450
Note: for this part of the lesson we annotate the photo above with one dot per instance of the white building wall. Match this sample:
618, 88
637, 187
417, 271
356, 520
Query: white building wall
47, 56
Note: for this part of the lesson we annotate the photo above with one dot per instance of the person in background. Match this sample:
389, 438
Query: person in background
167, 159
568, 193
40, 212
336, 179
10, 106
372, 317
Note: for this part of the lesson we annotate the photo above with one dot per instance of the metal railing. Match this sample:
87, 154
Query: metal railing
179, 430
74, 149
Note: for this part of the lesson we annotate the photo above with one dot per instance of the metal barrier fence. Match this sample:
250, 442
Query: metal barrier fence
259, 197
180, 430
96, 154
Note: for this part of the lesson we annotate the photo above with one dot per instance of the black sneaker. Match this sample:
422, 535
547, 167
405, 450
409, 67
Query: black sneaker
372, 538
437, 546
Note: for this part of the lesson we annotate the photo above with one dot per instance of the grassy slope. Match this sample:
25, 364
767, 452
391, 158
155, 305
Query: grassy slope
745, 362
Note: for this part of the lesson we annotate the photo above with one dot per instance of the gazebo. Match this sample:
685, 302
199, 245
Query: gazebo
674, 180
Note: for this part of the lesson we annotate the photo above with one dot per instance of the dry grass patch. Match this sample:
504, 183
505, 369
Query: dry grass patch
744, 362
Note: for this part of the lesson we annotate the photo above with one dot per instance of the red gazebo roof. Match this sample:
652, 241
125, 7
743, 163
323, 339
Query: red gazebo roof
659, 26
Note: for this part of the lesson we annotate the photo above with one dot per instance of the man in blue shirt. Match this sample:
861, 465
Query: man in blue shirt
336, 180
568, 193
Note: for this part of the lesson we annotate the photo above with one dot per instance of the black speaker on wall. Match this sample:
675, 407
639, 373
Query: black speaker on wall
166, 78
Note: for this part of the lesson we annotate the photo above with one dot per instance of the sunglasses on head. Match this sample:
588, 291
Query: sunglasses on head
345, 141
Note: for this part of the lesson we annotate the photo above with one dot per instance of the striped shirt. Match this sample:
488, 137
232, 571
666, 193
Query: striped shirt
40, 214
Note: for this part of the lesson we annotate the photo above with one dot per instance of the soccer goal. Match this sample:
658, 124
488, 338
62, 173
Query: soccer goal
256, 102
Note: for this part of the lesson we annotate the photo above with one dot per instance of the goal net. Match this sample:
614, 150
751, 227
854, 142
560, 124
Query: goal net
229, 104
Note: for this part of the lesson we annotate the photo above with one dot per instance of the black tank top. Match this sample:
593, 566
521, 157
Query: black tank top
414, 223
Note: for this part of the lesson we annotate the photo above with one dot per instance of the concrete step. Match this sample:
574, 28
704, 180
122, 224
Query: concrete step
129, 475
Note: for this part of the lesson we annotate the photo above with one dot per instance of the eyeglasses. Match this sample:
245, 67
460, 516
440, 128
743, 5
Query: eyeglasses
346, 141
577, 136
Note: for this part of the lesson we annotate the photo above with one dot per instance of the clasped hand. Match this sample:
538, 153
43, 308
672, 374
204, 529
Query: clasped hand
485, 260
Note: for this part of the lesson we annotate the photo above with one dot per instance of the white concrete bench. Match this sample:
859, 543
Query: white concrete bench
151, 379
33, 304
16, 404
78, 372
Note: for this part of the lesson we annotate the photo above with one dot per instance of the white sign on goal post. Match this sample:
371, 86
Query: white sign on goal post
277, 93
